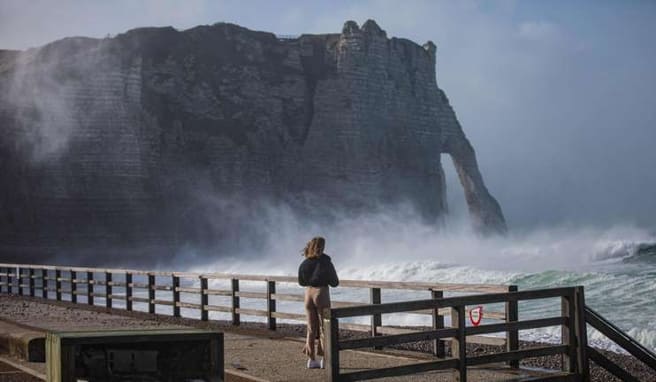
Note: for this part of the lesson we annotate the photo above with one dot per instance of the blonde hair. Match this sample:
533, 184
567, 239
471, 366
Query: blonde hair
314, 248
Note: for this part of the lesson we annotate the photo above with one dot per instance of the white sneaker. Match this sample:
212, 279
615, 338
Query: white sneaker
321, 363
313, 364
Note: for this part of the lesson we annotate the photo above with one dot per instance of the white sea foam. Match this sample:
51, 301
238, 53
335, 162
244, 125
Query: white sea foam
397, 248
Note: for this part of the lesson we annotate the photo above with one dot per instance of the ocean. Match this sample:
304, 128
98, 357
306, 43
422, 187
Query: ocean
617, 267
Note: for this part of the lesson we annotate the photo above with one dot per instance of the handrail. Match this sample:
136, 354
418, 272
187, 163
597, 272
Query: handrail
610, 366
615, 334
106, 285
400, 307
409, 285
569, 320
71, 281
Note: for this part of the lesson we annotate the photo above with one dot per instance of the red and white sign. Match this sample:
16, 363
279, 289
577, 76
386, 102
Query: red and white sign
476, 315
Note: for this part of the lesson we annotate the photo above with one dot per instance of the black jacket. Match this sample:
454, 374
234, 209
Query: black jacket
317, 272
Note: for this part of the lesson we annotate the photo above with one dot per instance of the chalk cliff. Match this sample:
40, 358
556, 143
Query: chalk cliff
123, 140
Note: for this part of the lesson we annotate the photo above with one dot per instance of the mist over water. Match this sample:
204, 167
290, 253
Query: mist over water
616, 265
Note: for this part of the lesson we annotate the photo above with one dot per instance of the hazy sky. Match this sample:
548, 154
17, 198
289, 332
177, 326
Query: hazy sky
557, 97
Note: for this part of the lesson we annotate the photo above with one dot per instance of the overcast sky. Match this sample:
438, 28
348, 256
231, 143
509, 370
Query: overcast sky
557, 97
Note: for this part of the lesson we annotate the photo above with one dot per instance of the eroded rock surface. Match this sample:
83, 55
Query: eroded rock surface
132, 140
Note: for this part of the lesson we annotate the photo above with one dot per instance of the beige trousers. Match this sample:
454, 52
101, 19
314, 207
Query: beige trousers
316, 299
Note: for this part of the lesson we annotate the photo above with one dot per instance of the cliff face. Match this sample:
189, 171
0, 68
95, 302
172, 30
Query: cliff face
121, 140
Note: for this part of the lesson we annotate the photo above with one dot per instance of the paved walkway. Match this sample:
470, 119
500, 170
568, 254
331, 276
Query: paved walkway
282, 360
260, 357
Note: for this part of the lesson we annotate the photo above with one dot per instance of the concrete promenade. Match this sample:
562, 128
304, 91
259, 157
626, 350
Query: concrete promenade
250, 354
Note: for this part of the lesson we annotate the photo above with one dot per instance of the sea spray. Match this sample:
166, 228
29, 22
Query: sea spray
619, 279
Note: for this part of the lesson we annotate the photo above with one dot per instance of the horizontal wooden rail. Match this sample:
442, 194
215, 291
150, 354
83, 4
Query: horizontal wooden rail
396, 339
216, 308
417, 286
401, 307
517, 325
398, 371
619, 337
106, 285
216, 292
189, 290
517, 355
610, 366
458, 332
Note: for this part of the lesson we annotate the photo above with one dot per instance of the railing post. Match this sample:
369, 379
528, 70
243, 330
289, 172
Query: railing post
568, 332
204, 299
175, 291
459, 345
30, 274
331, 326
90, 288
10, 281
151, 293
376, 319
128, 291
73, 287
19, 279
4, 284
44, 283
58, 290
271, 304
512, 336
581, 335
438, 323
108, 289
235, 302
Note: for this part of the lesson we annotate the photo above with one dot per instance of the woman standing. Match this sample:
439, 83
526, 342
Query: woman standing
316, 273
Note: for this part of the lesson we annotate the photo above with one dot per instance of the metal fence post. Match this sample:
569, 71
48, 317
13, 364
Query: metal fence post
376, 319
175, 290
19, 279
128, 291
438, 323
10, 280
512, 336
235, 302
271, 305
151, 293
73, 287
44, 283
30, 274
204, 299
108, 290
90, 288
58, 290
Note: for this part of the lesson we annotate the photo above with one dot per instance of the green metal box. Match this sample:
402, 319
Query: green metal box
171, 355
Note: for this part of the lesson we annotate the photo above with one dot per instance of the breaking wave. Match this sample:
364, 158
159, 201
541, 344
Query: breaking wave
617, 266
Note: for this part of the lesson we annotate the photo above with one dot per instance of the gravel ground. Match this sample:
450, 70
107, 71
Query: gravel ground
34, 313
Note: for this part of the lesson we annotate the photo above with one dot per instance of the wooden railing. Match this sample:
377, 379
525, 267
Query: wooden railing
71, 283
571, 320
130, 287
616, 335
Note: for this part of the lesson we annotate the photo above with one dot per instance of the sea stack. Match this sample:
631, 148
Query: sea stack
119, 141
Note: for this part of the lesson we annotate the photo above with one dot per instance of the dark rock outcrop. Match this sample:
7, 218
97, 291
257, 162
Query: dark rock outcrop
123, 141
